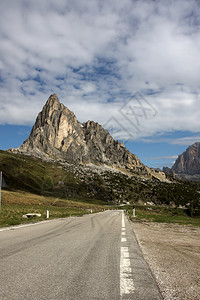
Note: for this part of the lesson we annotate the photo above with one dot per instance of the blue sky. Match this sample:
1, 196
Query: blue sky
133, 66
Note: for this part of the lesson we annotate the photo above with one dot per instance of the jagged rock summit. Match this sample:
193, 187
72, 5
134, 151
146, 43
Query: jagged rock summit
187, 164
57, 134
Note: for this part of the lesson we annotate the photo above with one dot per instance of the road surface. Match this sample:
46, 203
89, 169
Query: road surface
91, 257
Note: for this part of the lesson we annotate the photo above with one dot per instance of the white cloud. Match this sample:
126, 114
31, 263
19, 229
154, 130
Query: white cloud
163, 157
186, 140
96, 54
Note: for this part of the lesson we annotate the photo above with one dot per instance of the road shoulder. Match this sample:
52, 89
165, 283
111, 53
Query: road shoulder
173, 253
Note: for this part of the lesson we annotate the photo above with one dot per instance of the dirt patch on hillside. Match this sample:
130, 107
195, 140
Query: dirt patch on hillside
173, 254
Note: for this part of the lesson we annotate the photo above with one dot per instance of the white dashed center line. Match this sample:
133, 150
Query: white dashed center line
126, 281
123, 240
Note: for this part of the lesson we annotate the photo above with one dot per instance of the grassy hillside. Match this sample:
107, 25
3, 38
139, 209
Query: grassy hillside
30, 174
33, 185
15, 204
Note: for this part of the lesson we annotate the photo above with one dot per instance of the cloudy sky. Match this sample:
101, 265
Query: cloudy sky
133, 66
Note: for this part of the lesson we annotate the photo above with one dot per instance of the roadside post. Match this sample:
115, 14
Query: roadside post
47, 213
133, 211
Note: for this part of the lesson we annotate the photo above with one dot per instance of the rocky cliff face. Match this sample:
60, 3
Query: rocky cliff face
59, 135
187, 164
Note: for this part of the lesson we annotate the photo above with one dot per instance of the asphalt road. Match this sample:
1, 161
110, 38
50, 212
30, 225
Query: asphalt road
91, 257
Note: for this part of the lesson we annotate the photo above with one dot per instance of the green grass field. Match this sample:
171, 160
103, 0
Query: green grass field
162, 215
16, 204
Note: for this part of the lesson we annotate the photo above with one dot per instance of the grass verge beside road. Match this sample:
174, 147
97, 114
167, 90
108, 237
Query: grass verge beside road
16, 204
162, 214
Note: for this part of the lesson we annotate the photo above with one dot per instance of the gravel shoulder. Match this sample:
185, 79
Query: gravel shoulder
173, 254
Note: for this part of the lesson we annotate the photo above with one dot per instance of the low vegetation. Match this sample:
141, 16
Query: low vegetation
51, 179
162, 214
70, 189
15, 204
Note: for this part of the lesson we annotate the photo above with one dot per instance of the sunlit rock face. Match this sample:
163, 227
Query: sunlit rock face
187, 164
58, 134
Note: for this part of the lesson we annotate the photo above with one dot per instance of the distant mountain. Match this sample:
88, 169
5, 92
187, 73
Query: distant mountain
57, 134
187, 165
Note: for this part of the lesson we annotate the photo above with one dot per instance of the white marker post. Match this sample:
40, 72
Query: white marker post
133, 211
47, 213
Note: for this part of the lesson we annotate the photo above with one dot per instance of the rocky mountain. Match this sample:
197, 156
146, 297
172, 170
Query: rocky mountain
187, 165
57, 134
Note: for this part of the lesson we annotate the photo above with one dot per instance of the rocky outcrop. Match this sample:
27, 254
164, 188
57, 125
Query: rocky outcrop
57, 134
187, 164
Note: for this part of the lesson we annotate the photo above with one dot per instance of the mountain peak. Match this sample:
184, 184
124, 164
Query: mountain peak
187, 165
59, 135
53, 98
53, 102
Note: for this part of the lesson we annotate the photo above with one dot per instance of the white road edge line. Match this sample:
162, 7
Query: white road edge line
126, 281
28, 224
36, 223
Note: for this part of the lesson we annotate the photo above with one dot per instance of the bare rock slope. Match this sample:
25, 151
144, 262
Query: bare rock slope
187, 164
58, 134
